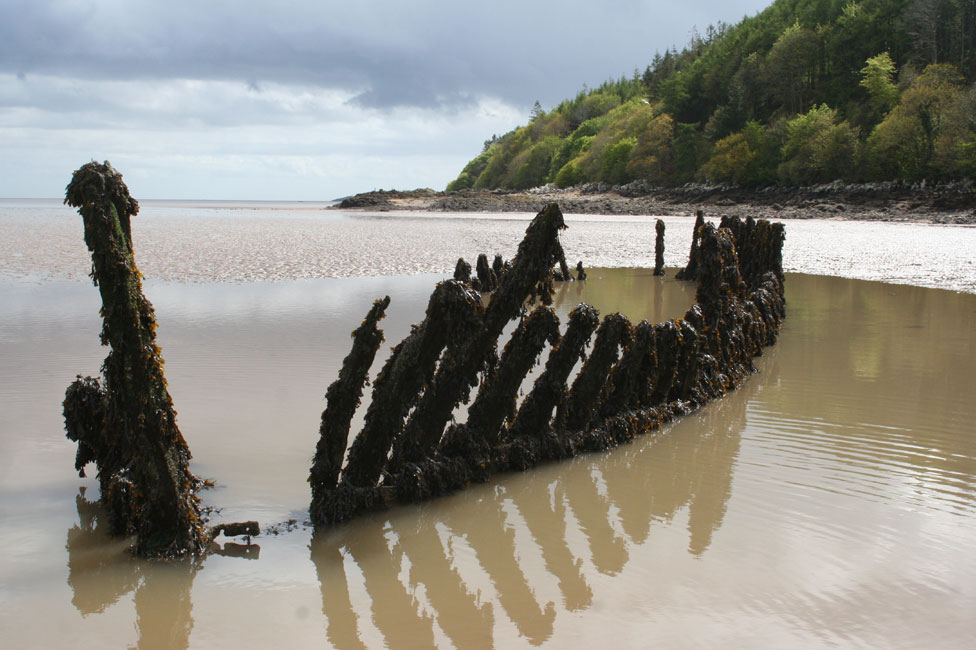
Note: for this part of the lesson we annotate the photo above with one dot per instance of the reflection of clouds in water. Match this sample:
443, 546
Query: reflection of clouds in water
462, 568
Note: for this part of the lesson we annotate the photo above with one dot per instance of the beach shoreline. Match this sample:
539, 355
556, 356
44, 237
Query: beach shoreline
951, 203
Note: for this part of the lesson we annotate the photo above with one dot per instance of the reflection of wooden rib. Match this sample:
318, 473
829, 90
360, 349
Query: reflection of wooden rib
547, 525
608, 551
343, 630
493, 542
394, 608
467, 622
664, 370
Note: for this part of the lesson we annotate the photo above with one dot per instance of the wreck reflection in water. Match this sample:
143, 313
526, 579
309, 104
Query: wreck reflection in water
99, 578
831, 501
470, 559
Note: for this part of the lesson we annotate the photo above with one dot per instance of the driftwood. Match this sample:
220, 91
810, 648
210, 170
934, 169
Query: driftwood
125, 422
246, 528
635, 378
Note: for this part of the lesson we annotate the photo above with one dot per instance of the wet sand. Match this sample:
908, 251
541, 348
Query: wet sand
830, 501
231, 242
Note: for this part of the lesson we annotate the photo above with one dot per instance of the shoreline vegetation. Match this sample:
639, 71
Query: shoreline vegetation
920, 202
861, 104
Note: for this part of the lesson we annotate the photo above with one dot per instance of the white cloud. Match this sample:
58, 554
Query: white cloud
200, 139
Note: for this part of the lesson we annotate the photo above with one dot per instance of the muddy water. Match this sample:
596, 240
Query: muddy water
831, 501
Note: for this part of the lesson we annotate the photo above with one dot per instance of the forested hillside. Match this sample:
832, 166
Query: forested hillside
807, 91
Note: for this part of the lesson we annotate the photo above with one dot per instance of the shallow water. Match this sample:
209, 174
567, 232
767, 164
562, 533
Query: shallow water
831, 501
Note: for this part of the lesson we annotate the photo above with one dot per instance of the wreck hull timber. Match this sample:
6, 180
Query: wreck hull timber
636, 379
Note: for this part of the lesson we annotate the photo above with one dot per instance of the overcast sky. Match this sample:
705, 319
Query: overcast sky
301, 99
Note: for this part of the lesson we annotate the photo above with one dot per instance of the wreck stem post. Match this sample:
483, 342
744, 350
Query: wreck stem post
127, 425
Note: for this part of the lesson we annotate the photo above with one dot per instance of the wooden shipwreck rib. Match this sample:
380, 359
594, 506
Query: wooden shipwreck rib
635, 378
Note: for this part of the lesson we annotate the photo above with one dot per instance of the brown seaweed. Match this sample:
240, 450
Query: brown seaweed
343, 397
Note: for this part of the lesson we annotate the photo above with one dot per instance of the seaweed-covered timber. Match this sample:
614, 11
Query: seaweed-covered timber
486, 277
343, 397
462, 271
634, 379
690, 272
126, 423
659, 248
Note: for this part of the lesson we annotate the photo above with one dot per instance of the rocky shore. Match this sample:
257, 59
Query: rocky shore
948, 203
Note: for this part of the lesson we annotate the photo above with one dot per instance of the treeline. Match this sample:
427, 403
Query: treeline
807, 91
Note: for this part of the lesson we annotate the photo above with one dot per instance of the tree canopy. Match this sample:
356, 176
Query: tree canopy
805, 91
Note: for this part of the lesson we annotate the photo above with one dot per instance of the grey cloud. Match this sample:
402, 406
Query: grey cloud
425, 53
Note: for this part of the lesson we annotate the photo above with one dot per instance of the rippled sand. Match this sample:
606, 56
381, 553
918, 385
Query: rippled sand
246, 242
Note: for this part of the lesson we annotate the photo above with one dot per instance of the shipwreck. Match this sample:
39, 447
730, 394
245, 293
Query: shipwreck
633, 377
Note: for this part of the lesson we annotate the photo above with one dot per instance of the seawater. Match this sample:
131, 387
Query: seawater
828, 502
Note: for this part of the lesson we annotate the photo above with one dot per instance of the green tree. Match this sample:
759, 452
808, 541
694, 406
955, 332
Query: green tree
819, 147
614, 161
568, 175
731, 160
531, 166
791, 67
904, 144
877, 76
689, 151
466, 179
650, 159
536, 111
749, 157
593, 105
